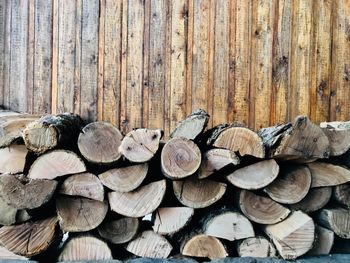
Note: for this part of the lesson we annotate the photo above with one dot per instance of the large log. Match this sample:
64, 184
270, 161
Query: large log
338, 134
13, 159
324, 239
315, 199
257, 247
326, 174
336, 219
341, 194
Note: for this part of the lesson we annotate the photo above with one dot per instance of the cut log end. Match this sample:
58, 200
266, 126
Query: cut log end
13, 159
336, 219
338, 134
326, 174
258, 247
341, 194
315, 199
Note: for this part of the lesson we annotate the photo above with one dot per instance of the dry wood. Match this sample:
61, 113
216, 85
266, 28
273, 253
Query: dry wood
80, 214
255, 176
341, 194
98, 142
338, 134
324, 239
291, 186
124, 179
51, 131
83, 248
198, 193
261, 209
119, 231
13, 159
140, 145
7, 213
30, 238
258, 247
180, 158
56, 163
336, 219
326, 174
85, 185
151, 245
5, 113
169, 220
140, 202
293, 236
315, 199
6, 254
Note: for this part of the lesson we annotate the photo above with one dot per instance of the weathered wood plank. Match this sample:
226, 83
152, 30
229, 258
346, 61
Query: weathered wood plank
30, 56
3, 15
101, 57
55, 42
123, 83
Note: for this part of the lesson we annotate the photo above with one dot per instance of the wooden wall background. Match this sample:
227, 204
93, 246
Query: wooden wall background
150, 62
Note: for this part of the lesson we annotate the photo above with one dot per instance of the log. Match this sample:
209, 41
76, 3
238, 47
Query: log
335, 219
326, 174
180, 158
341, 194
52, 131
30, 238
140, 202
140, 145
215, 159
257, 247
291, 186
255, 176
98, 142
84, 185
323, 244
83, 248
204, 246
13, 159
6, 113
7, 213
261, 209
119, 231
294, 236
198, 193
124, 179
6, 254
170, 220
315, 199
150, 245
80, 214
55, 164
191, 127
338, 134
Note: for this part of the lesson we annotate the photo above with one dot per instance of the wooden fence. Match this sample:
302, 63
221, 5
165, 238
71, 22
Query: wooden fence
150, 62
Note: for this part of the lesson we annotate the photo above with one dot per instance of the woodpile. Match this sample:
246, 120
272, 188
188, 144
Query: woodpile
88, 192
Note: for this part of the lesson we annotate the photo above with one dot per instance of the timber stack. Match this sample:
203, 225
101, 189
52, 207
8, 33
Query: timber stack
89, 192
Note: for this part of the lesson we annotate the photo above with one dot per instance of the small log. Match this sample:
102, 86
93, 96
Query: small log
315, 199
216, 159
341, 194
204, 246
52, 131
98, 142
255, 176
30, 238
192, 126
6, 254
169, 220
261, 209
80, 214
326, 174
198, 193
84, 185
150, 245
335, 219
13, 159
124, 179
291, 186
56, 163
294, 236
140, 202
257, 247
7, 213
338, 134
120, 231
83, 248
323, 244
180, 158
140, 145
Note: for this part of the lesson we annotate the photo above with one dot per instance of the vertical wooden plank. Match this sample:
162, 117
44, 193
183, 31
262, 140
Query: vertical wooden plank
189, 56
7, 56
78, 57
30, 56
123, 84
211, 47
2, 47
146, 68
55, 43
101, 57
232, 63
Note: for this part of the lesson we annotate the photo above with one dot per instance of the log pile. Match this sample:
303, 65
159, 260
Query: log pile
88, 192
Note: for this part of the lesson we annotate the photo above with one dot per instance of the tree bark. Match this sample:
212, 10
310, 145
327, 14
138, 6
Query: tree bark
336, 219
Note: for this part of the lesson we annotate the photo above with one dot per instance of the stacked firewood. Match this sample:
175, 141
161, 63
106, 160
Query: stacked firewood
88, 192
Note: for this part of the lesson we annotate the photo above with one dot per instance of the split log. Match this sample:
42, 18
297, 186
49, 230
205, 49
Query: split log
204, 246
315, 199
80, 214
336, 219
30, 238
140, 145
7, 213
180, 158
85, 248
13, 159
56, 163
294, 236
258, 247
84, 185
323, 244
261, 209
98, 142
124, 179
338, 134
6, 254
150, 245
326, 174
170, 220
291, 186
198, 193
216, 159
341, 194
255, 176
192, 126
119, 231
140, 202
228, 225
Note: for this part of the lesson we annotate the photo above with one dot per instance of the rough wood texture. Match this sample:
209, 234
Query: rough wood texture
258, 247
336, 219
326, 174
315, 199
341, 194
13, 159
6, 254
324, 239
338, 134
119, 231
7, 213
